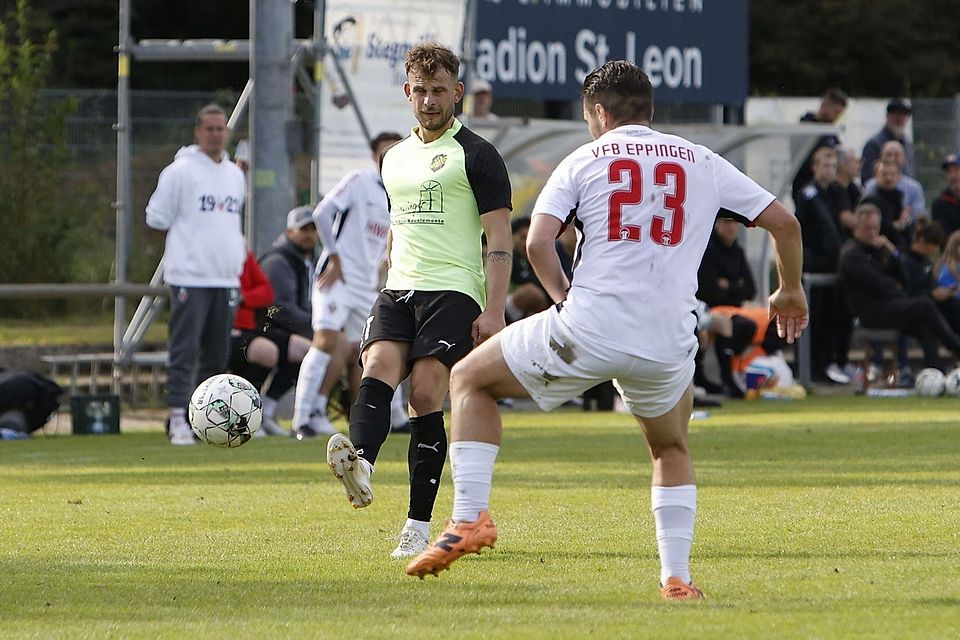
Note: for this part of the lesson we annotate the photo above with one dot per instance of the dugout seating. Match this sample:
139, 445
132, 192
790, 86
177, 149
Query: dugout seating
138, 381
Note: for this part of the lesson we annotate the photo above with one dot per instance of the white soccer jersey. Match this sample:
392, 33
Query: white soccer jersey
360, 220
645, 204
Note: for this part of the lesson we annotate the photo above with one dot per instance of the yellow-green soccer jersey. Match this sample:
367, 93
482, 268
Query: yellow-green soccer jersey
437, 192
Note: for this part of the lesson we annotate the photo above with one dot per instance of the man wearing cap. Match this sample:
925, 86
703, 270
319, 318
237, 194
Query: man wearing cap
898, 115
197, 204
946, 208
289, 266
482, 93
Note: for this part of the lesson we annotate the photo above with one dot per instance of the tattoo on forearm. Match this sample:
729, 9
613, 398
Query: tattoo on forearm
499, 256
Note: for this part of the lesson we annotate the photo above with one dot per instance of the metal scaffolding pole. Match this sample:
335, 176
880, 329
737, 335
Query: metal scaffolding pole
124, 189
271, 115
319, 48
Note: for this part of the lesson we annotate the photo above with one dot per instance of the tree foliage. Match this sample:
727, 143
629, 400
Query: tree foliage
49, 234
868, 47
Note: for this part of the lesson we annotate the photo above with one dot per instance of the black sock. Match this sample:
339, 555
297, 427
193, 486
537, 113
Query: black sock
370, 418
425, 458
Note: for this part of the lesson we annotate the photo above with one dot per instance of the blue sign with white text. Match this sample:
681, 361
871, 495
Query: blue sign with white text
693, 50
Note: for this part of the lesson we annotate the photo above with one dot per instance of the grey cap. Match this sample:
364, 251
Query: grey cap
300, 217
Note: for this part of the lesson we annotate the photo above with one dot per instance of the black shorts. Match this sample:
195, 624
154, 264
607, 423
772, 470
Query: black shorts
435, 323
239, 344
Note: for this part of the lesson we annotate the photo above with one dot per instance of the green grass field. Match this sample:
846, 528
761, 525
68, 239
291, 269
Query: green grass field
829, 518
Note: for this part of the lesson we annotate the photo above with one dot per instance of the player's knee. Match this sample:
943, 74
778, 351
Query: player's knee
668, 448
424, 401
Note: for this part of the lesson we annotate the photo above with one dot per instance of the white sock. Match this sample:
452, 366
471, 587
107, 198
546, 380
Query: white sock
320, 405
419, 525
312, 370
398, 410
269, 407
674, 511
472, 465
178, 418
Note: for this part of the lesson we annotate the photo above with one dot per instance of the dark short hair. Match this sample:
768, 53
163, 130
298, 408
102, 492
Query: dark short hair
836, 96
929, 231
430, 57
211, 109
622, 88
384, 136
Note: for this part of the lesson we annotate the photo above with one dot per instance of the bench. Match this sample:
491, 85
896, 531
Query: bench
93, 373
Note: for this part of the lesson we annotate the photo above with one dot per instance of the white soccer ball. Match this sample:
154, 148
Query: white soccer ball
951, 383
930, 383
225, 410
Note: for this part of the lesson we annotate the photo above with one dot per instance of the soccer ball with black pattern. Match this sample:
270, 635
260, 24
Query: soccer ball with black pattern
930, 383
225, 410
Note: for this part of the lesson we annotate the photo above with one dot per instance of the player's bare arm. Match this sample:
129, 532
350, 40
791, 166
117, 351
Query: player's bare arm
543, 256
496, 227
788, 304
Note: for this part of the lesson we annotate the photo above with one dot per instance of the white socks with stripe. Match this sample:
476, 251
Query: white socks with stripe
674, 511
472, 465
312, 370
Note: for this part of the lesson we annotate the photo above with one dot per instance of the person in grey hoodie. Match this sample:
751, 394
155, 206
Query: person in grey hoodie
198, 203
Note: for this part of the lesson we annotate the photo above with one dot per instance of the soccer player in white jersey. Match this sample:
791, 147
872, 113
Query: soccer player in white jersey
645, 203
353, 221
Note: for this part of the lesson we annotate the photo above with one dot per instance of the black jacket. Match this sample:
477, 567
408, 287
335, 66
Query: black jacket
946, 211
721, 261
869, 276
919, 273
818, 211
890, 203
290, 277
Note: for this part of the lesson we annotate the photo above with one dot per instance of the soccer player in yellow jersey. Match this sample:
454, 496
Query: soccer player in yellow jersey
446, 186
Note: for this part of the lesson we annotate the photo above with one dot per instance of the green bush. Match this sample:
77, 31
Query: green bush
51, 221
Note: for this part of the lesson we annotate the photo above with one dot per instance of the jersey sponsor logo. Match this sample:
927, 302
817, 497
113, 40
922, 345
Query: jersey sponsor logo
431, 197
438, 161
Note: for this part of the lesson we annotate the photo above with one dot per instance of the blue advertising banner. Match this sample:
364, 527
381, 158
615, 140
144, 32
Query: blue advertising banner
693, 50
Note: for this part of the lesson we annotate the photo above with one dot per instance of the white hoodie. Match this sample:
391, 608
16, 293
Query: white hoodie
198, 202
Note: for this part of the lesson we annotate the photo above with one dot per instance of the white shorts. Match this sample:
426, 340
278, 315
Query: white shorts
339, 308
554, 365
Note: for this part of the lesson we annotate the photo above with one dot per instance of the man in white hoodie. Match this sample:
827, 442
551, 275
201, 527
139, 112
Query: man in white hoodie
199, 202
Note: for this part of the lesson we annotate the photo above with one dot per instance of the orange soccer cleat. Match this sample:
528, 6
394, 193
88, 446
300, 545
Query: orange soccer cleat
677, 589
457, 539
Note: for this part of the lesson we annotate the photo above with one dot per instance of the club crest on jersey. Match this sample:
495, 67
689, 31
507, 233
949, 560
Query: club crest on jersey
438, 161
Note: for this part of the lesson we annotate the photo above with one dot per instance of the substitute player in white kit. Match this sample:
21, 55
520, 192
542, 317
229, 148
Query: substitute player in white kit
353, 221
645, 204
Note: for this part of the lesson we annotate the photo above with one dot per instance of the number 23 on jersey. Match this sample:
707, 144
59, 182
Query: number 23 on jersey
630, 174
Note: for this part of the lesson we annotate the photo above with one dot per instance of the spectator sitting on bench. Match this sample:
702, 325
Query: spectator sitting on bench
873, 281
725, 279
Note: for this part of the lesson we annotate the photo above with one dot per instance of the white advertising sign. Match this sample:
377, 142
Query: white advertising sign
371, 38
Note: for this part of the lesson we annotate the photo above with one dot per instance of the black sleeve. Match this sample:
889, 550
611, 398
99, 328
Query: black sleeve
707, 277
745, 288
486, 172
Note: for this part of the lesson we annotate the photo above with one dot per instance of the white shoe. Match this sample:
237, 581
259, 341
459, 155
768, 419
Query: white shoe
180, 431
836, 374
350, 469
321, 425
270, 427
412, 543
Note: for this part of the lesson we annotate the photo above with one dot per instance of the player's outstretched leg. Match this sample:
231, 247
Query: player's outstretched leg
457, 540
351, 459
351, 470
